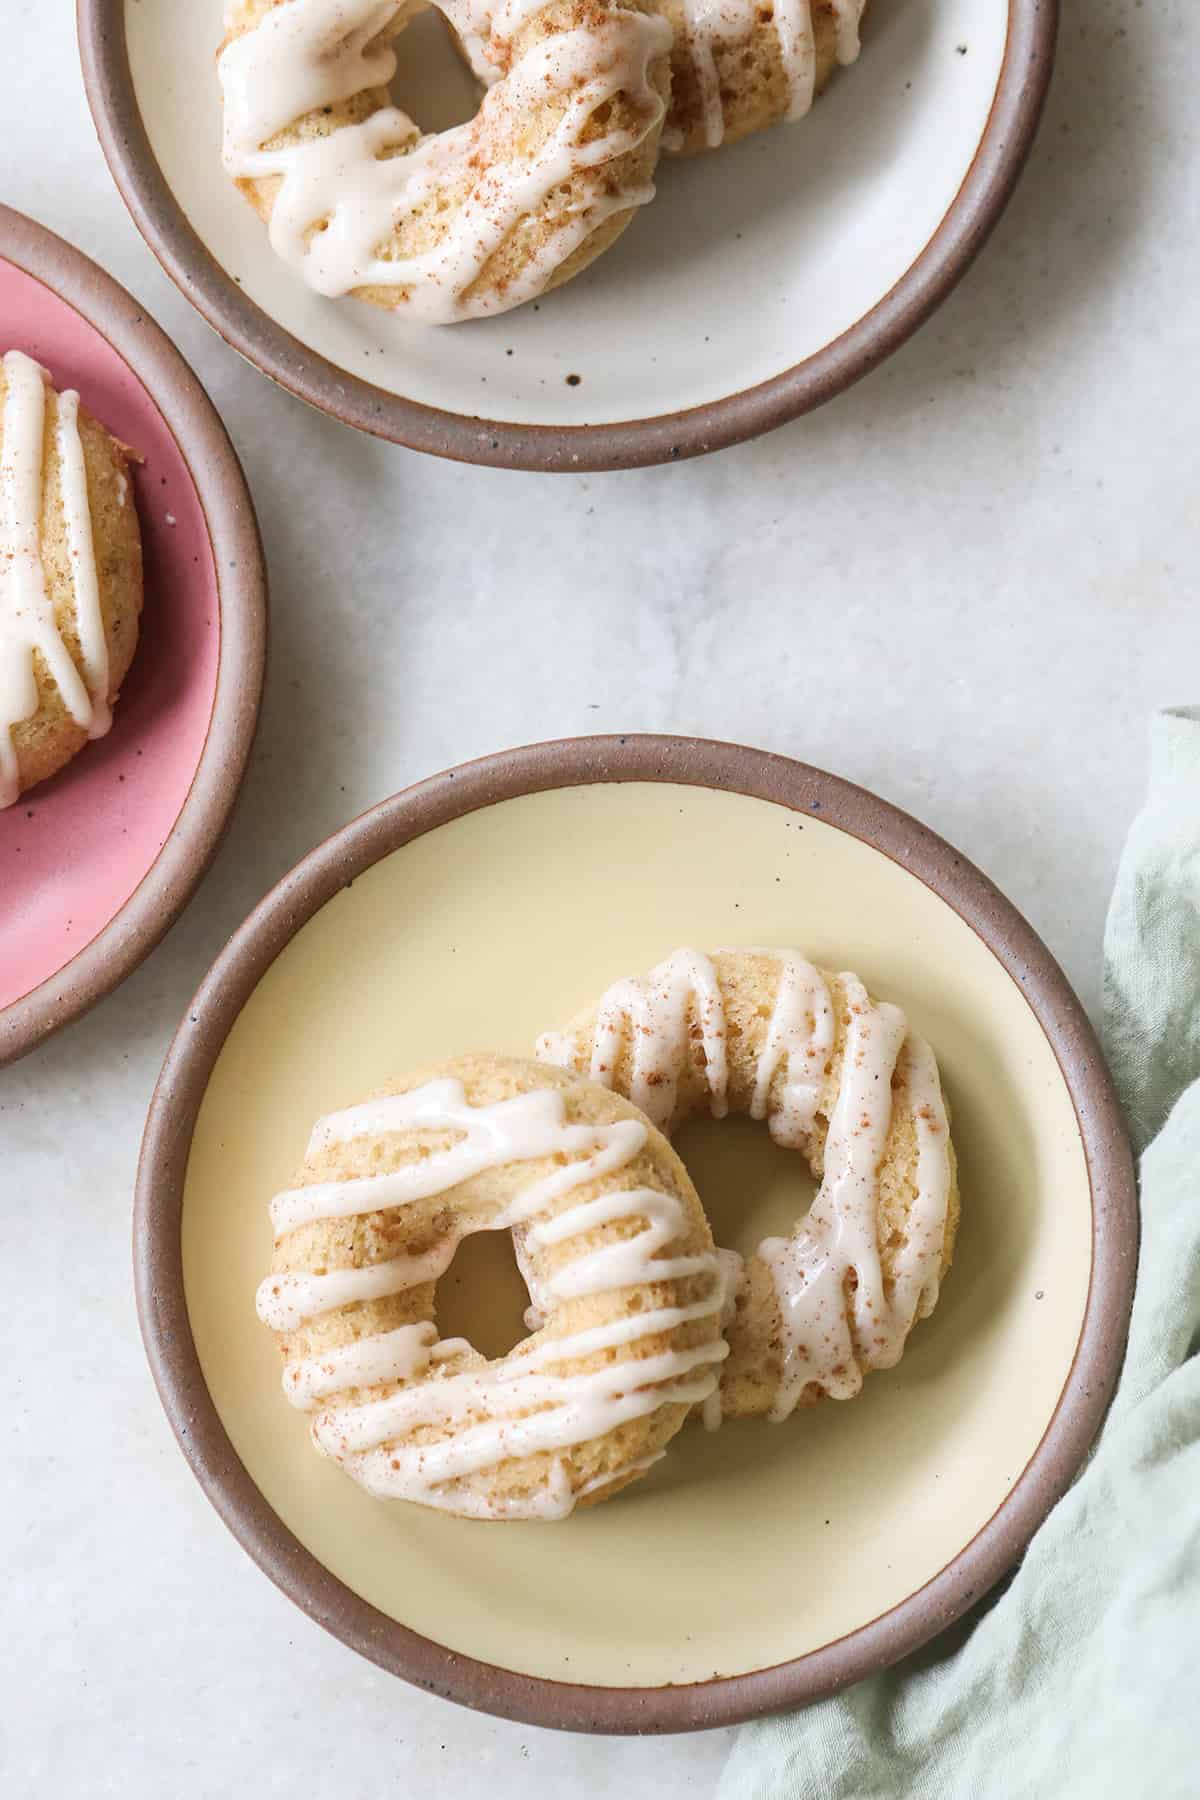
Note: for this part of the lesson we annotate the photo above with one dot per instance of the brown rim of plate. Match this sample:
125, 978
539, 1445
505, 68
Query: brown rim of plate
168, 885
162, 1306
670, 437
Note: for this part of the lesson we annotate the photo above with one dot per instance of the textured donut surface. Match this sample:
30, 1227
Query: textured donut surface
836, 1076
70, 575
460, 223
617, 1255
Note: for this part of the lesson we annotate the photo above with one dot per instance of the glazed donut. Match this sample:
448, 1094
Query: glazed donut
736, 65
459, 223
837, 1076
70, 576
617, 1256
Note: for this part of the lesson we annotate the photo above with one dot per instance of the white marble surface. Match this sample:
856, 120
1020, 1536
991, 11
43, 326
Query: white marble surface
964, 584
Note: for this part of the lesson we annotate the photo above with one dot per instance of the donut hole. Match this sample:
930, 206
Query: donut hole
482, 1296
433, 84
751, 1187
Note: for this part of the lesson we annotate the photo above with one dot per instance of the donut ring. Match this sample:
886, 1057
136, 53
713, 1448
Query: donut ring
837, 1076
454, 224
70, 576
736, 65
617, 1255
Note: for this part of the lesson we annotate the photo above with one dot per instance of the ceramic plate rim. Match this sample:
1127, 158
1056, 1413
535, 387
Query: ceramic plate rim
670, 437
158, 1207
212, 463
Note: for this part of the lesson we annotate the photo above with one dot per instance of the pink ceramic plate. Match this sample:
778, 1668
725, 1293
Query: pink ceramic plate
97, 863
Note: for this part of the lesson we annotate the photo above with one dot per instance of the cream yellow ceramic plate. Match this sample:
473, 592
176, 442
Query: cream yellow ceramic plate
760, 1566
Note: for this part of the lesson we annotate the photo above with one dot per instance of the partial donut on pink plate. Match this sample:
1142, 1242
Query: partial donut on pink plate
97, 862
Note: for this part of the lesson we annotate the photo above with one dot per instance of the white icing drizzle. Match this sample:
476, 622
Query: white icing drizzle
800, 1038
82, 550
652, 1016
485, 32
634, 1468
829, 1337
342, 196
712, 25
27, 622
847, 17
287, 1301
386, 1356
520, 1406
839, 1233
492, 27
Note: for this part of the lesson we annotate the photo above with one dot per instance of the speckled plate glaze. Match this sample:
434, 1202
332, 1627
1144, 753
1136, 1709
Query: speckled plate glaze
764, 279
97, 863
758, 1568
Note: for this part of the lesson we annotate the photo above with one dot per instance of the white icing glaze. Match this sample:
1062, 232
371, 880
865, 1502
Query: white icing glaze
27, 622
847, 16
386, 1356
89, 620
652, 1016
800, 1038
342, 196
285, 1302
839, 1234
634, 1468
713, 25
492, 27
520, 1406
829, 1336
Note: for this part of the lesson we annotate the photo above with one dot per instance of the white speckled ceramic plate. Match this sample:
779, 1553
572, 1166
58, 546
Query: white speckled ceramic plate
765, 276
764, 1565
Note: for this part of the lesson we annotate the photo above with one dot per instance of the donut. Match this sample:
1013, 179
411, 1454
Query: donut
838, 1077
70, 575
736, 65
454, 224
625, 1285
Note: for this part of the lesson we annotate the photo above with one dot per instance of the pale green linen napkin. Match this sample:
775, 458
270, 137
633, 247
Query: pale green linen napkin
1083, 1678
